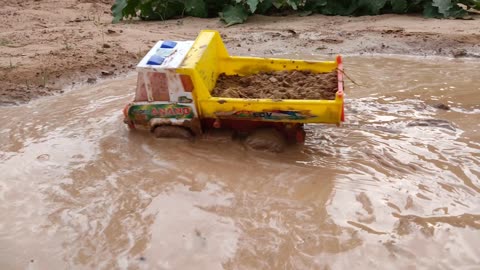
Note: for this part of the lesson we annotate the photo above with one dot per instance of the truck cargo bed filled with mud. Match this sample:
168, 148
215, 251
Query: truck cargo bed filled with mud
278, 85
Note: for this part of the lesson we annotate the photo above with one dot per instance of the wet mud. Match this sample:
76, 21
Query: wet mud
432, 123
278, 85
78, 190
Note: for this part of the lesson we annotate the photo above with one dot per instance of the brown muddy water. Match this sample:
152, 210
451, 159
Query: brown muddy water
385, 190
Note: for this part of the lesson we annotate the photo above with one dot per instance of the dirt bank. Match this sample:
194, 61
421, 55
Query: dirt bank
48, 46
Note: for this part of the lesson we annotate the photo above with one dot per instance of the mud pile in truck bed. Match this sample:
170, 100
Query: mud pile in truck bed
278, 85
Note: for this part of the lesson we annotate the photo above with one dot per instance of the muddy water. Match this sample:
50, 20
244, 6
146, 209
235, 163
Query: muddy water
79, 191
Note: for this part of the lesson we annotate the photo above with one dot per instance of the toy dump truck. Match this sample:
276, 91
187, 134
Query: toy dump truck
176, 80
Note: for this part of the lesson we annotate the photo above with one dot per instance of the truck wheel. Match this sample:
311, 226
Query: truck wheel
172, 132
266, 139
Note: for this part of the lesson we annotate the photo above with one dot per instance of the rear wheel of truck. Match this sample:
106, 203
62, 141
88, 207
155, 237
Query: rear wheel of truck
172, 132
266, 139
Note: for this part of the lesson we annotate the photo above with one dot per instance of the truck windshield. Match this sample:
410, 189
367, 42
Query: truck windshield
157, 83
141, 93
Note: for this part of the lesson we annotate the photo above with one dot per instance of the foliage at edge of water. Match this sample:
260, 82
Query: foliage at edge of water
237, 11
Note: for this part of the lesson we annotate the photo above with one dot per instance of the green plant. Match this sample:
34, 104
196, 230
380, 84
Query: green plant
237, 11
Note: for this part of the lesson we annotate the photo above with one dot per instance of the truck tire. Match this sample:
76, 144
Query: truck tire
167, 131
266, 139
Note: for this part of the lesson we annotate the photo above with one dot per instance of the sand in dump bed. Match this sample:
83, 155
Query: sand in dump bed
278, 85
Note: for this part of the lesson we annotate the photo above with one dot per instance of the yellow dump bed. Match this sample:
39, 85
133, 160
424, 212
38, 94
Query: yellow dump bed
208, 58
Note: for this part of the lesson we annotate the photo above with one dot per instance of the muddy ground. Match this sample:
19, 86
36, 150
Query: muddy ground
47, 47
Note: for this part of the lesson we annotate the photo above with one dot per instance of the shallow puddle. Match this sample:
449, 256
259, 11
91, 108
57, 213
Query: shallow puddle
398, 184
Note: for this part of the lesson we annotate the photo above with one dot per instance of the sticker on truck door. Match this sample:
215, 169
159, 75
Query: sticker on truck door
145, 112
274, 115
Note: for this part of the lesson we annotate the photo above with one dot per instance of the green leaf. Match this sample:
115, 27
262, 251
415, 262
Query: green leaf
264, 6
117, 10
253, 5
430, 11
171, 8
278, 4
196, 8
293, 4
149, 10
448, 9
399, 6
131, 9
315, 5
339, 7
233, 14
160, 9
443, 6
456, 12
372, 7
477, 5
321, 2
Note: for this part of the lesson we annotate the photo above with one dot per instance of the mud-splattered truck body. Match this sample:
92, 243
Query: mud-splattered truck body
175, 81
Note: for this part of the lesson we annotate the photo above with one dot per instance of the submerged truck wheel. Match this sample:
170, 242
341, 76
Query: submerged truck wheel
266, 139
172, 132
